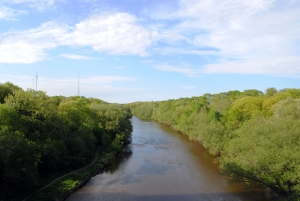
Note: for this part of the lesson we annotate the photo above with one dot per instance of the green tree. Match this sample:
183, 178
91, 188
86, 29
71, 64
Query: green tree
270, 92
252, 92
267, 150
19, 161
244, 109
7, 89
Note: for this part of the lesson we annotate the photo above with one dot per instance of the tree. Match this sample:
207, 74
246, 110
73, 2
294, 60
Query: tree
19, 161
270, 92
7, 89
10, 118
41, 135
252, 92
244, 109
267, 150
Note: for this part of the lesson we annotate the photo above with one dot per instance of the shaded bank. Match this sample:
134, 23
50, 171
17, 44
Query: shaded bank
59, 189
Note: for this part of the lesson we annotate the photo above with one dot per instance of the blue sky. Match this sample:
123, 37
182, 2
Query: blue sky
149, 50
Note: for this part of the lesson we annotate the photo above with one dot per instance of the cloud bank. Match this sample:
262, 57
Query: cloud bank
114, 33
244, 37
240, 37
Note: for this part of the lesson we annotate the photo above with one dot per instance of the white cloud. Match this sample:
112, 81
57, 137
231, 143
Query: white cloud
40, 5
281, 66
261, 35
253, 32
115, 33
27, 1
182, 50
186, 70
7, 13
29, 46
78, 57
238, 28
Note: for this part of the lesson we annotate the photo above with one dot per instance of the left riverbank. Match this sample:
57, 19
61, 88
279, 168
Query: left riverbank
62, 187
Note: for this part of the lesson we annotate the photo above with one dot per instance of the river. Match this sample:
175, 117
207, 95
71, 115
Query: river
163, 165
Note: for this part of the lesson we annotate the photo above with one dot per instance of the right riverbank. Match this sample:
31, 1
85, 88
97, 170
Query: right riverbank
255, 136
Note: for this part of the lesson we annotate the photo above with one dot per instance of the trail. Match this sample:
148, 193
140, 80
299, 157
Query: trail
75, 171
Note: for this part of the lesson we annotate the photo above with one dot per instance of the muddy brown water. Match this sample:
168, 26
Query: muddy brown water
163, 165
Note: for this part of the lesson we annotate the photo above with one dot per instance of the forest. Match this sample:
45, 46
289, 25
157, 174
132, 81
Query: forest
42, 135
255, 136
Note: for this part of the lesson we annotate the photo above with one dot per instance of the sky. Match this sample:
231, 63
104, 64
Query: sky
123, 51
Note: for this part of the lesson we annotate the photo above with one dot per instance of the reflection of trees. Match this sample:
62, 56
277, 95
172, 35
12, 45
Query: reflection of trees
120, 158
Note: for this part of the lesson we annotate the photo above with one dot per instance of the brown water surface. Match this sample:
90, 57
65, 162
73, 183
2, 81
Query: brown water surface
163, 165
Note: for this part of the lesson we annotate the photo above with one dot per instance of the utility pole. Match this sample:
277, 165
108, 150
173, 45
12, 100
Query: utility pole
78, 84
36, 79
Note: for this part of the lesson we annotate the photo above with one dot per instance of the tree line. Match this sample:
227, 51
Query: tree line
255, 135
42, 135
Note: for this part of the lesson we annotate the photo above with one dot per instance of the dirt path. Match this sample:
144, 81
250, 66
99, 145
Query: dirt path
75, 171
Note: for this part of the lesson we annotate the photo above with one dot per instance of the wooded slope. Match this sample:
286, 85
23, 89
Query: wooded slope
256, 135
42, 135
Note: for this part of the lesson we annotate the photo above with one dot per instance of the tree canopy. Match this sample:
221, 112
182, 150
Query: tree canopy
42, 135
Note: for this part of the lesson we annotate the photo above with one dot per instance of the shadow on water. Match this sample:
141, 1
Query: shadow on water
120, 158
177, 197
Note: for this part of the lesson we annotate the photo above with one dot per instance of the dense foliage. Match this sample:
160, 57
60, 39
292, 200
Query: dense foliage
42, 135
256, 135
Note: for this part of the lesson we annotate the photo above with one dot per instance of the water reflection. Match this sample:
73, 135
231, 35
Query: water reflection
120, 158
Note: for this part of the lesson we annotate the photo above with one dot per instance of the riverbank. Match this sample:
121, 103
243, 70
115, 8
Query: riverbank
225, 124
62, 187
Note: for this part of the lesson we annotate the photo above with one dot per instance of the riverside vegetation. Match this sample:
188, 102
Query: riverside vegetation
43, 137
255, 135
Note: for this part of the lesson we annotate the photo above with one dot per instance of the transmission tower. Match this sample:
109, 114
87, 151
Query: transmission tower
78, 84
36, 79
